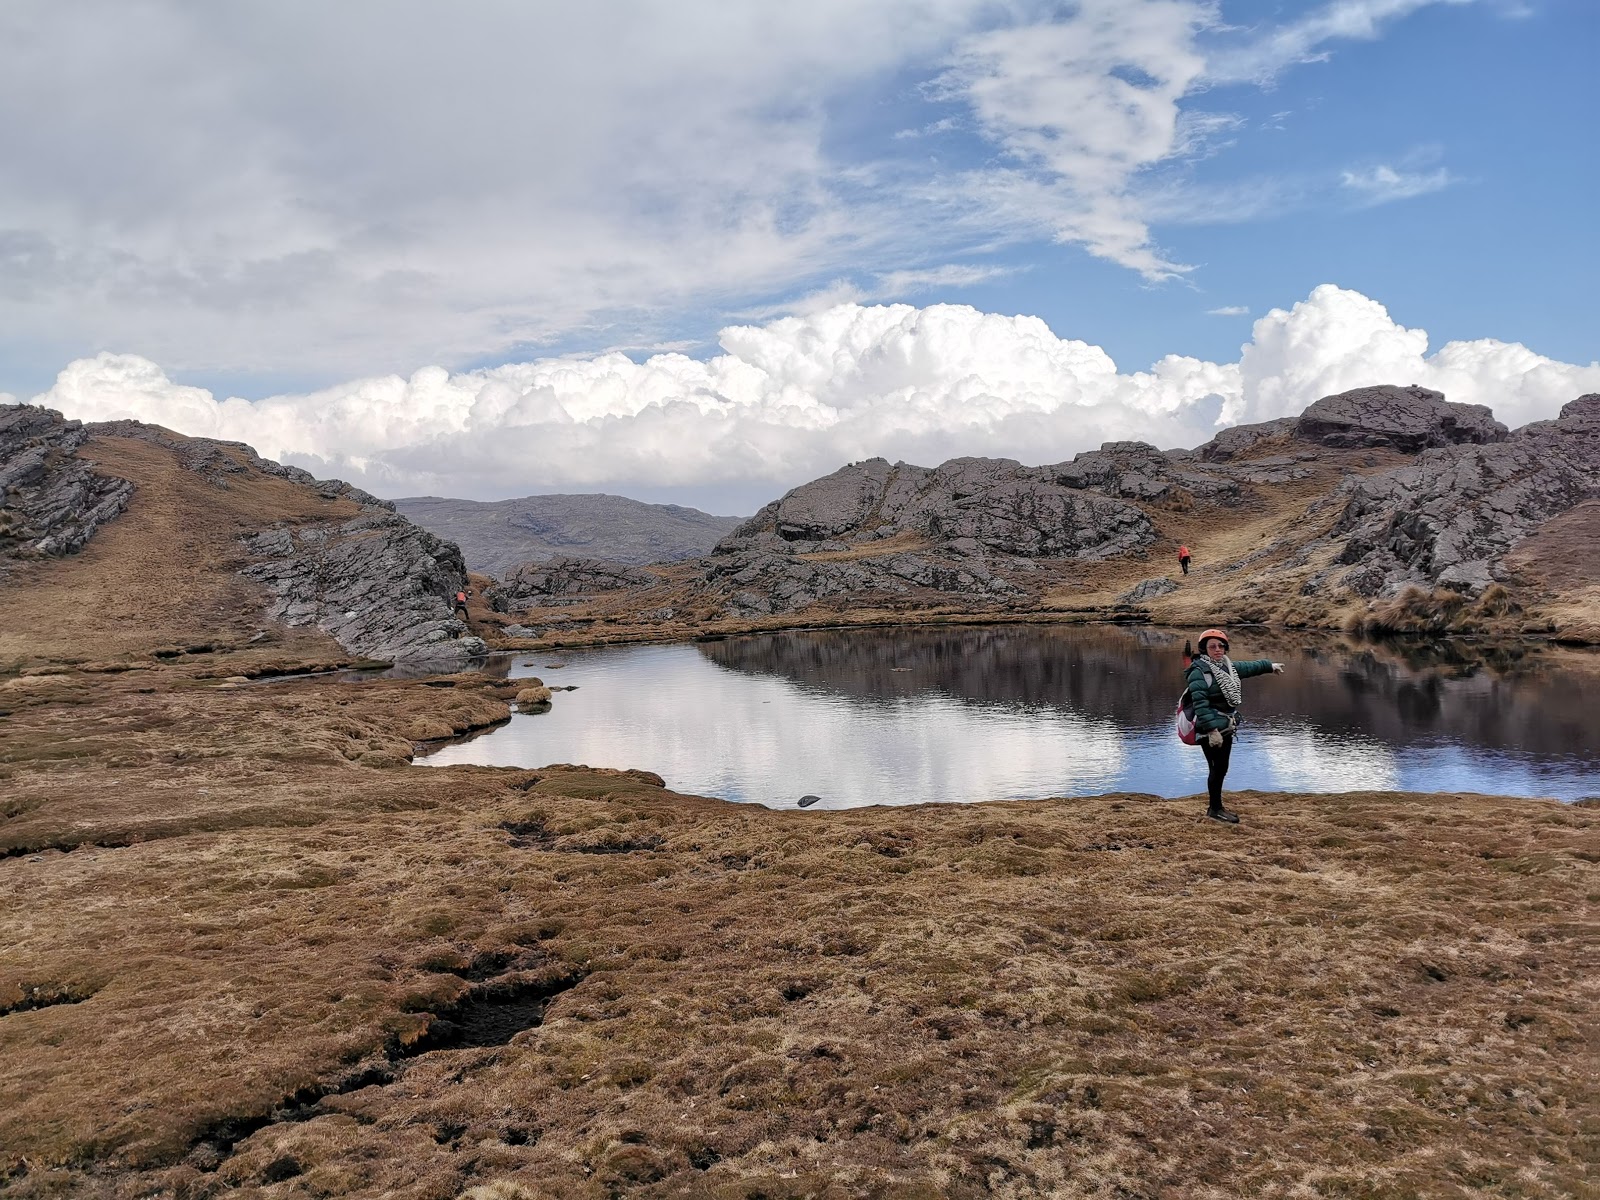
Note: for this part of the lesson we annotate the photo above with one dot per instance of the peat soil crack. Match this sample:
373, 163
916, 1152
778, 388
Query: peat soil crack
534, 834
65, 847
490, 1014
46, 995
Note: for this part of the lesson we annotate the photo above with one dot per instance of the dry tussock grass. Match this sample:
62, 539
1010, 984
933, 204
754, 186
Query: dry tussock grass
1362, 995
1439, 612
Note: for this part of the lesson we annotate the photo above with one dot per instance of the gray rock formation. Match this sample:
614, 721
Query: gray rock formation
377, 584
562, 581
762, 582
896, 531
1410, 419
499, 536
51, 501
1000, 505
1148, 589
1450, 517
1237, 439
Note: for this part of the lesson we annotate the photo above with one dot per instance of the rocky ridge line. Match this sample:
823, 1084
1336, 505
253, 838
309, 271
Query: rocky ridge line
992, 533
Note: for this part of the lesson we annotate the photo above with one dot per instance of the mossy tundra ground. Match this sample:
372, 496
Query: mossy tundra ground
249, 950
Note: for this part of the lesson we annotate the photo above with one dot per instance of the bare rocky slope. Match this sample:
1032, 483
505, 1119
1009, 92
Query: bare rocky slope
498, 536
1370, 498
205, 526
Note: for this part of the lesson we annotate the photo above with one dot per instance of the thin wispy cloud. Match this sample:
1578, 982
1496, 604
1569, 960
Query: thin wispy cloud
1230, 310
1311, 38
895, 284
1384, 184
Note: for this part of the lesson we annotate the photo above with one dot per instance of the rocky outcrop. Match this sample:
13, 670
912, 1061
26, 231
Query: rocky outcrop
377, 584
51, 501
218, 462
564, 581
1148, 589
876, 530
1451, 517
1000, 505
760, 582
1409, 419
1236, 440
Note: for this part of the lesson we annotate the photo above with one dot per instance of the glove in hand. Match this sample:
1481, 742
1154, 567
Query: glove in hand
1277, 668
1214, 738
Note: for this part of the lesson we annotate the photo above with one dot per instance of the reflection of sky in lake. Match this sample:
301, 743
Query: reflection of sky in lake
746, 723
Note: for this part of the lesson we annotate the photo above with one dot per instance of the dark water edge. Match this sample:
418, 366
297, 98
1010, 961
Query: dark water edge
963, 713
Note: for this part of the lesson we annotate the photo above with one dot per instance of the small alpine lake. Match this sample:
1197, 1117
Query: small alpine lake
957, 714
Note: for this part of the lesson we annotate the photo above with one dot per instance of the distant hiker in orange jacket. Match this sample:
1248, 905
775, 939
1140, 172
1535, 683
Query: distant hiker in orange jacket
1183, 558
461, 604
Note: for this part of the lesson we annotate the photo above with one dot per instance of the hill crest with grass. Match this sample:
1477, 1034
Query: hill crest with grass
121, 539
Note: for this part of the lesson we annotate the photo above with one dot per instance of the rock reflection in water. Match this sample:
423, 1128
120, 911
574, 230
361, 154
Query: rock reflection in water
910, 715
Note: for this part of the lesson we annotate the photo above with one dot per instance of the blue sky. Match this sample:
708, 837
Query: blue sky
275, 200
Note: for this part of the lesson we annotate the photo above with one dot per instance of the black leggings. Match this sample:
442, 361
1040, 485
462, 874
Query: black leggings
1217, 760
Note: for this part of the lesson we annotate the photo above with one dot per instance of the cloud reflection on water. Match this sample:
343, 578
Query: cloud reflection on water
909, 716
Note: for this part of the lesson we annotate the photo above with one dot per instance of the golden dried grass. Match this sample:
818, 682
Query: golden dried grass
1348, 995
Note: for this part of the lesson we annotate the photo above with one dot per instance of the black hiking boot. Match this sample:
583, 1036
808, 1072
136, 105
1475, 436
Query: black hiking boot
1222, 814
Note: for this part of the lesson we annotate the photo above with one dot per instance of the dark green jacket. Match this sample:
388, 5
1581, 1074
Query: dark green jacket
1211, 708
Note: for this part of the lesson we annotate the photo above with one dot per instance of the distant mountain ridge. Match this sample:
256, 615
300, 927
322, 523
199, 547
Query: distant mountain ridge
496, 536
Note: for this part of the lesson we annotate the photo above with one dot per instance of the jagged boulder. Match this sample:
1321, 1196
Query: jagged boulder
1410, 419
51, 501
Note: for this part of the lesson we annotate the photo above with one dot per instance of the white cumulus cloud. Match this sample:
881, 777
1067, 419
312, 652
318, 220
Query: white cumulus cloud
798, 396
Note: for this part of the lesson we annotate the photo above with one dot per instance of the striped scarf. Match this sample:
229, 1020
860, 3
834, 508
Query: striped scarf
1228, 680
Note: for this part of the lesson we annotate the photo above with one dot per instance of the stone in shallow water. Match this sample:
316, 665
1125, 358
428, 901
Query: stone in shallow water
808, 801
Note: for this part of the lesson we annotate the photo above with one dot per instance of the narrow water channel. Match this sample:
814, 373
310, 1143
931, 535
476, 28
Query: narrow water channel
1010, 712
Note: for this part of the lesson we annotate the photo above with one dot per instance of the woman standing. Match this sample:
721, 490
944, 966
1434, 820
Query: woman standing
1216, 694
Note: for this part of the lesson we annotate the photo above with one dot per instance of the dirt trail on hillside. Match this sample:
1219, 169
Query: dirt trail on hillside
164, 574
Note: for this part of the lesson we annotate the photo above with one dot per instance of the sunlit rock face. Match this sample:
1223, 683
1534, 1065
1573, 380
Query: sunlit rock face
379, 585
1451, 517
999, 504
1410, 419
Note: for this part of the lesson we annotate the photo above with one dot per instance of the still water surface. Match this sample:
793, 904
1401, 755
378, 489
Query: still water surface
1012, 712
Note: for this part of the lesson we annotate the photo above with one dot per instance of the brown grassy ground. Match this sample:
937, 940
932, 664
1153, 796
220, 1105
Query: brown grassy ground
263, 912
